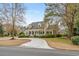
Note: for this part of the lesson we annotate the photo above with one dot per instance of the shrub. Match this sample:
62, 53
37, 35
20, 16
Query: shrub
58, 35
22, 35
75, 40
45, 36
49, 36
5, 35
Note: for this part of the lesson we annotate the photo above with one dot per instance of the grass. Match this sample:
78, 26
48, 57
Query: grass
61, 43
13, 42
61, 40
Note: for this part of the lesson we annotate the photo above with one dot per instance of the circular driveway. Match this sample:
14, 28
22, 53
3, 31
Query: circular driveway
36, 43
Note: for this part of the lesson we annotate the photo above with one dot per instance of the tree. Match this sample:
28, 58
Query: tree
1, 30
55, 29
5, 16
69, 17
68, 12
13, 13
54, 13
17, 15
77, 20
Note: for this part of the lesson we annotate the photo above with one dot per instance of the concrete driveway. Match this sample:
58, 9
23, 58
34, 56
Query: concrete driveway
37, 43
36, 50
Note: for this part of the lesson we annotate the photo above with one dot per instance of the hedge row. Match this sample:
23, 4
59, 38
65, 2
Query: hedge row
43, 36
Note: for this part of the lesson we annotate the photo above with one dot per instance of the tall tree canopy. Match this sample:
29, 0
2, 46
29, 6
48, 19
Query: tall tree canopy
54, 13
70, 17
69, 14
12, 13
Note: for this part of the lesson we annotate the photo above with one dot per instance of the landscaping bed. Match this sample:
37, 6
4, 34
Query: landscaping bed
13, 42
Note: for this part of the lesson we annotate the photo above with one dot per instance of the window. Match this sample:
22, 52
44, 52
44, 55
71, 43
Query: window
32, 32
29, 32
39, 24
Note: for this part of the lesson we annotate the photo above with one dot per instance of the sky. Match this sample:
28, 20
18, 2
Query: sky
34, 12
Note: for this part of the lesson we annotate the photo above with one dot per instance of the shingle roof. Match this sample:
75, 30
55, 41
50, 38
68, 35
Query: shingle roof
36, 25
39, 25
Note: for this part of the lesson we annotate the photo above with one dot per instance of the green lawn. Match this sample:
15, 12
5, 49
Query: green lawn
62, 40
61, 43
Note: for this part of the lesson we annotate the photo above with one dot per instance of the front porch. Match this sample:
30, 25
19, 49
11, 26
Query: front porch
38, 32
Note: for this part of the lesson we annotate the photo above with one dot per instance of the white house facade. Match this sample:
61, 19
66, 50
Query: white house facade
38, 29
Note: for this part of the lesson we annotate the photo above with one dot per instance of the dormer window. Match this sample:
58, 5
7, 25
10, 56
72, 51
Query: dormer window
50, 22
30, 26
39, 24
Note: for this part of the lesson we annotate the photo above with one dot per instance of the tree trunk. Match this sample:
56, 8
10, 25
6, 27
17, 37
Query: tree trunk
13, 19
71, 30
